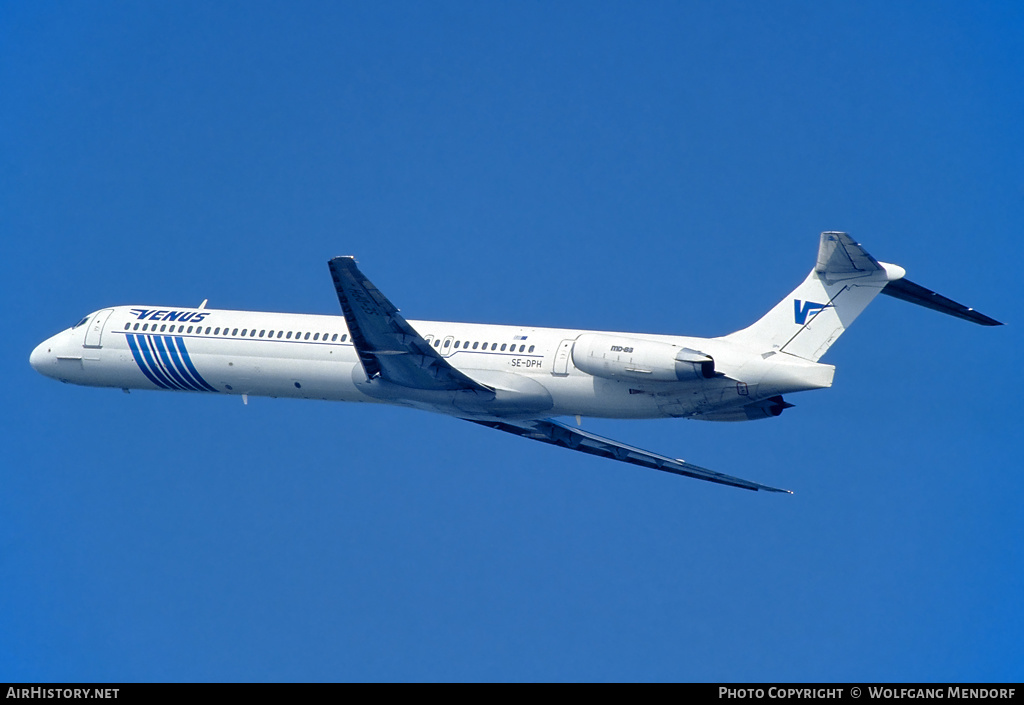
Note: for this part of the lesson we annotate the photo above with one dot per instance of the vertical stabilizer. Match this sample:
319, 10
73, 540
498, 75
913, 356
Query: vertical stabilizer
806, 323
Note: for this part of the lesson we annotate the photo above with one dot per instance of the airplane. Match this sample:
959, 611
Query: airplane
510, 378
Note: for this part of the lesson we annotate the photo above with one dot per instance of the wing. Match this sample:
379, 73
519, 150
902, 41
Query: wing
387, 345
555, 433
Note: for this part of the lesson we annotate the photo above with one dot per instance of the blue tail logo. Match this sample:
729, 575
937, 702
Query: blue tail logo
803, 309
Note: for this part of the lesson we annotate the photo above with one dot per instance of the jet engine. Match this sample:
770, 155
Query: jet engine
613, 357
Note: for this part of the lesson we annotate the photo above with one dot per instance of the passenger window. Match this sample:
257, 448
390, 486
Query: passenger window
503, 347
316, 336
522, 348
334, 337
447, 343
437, 343
494, 346
306, 337
190, 329
208, 330
163, 327
215, 332
531, 348
262, 332
252, 333
235, 332
127, 326
289, 336
474, 345
344, 337
244, 331
280, 333
145, 326
136, 327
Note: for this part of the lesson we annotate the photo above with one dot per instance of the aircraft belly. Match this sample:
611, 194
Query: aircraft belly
281, 377
593, 396
510, 395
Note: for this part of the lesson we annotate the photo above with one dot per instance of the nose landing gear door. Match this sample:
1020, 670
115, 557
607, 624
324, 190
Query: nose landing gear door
94, 333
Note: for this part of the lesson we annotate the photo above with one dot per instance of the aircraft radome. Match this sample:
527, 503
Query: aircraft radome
510, 378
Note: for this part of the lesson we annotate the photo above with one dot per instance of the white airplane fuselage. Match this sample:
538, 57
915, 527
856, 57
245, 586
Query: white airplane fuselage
510, 378
313, 357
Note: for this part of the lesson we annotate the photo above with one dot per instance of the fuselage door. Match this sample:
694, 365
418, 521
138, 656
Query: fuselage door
562, 358
94, 333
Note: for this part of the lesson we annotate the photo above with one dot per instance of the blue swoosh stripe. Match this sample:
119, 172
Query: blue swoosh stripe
192, 368
149, 351
153, 364
172, 350
137, 354
170, 366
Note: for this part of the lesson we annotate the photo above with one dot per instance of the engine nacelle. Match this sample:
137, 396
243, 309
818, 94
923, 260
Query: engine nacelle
613, 357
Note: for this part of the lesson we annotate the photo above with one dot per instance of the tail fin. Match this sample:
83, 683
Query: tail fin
807, 322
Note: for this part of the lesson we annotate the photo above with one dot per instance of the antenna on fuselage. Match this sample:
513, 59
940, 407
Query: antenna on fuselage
203, 305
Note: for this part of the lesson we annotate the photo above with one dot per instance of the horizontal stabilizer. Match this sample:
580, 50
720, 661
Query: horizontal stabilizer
917, 294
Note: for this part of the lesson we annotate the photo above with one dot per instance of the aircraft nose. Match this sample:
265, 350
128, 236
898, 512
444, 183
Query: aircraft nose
39, 356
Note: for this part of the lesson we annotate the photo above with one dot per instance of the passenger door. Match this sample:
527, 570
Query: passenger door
94, 333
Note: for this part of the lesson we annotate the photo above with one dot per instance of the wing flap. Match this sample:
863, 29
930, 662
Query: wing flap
556, 433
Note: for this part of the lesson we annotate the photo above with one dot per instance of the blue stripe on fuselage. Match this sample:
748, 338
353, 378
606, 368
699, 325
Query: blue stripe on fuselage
137, 354
172, 366
188, 363
149, 351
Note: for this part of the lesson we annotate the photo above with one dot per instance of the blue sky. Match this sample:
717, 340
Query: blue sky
662, 168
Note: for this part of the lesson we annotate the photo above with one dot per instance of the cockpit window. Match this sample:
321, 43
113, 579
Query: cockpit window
80, 323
